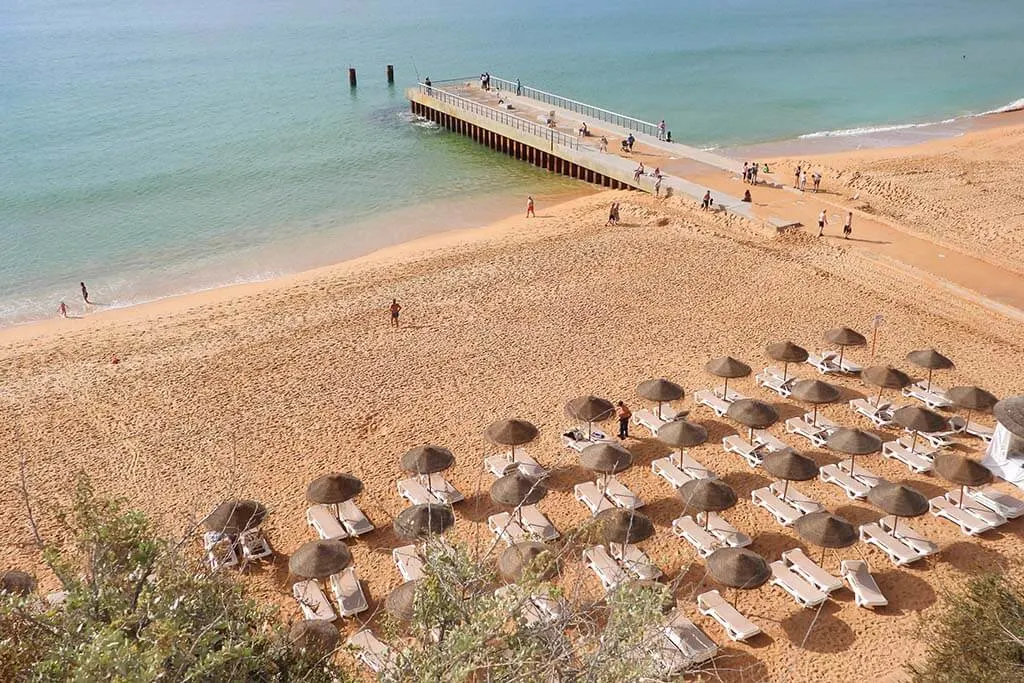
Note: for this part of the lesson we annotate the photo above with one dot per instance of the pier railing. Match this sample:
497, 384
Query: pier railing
553, 136
588, 110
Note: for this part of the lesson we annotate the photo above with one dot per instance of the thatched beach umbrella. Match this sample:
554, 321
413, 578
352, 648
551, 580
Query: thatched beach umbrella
918, 419
314, 635
624, 526
420, 521
333, 489
707, 495
790, 466
853, 442
729, 368
971, 398
511, 432
427, 460
17, 582
589, 409
884, 377
931, 360
753, 414
232, 517
843, 337
660, 390
825, 530
401, 602
898, 500
958, 469
738, 568
525, 556
319, 559
1010, 413
786, 352
606, 458
681, 434
516, 490
815, 392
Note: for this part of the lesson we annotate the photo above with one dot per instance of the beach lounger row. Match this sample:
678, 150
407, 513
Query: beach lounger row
800, 590
222, 550
679, 468
737, 626
610, 572
649, 419
827, 362
752, 454
770, 443
934, 397
897, 547
994, 499
374, 654
801, 427
914, 459
531, 525
504, 463
348, 594
707, 398
783, 512
880, 415
719, 533
432, 488
865, 589
597, 496
973, 519
981, 431
855, 486
350, 522
577, 439
634, 560
684, 645
795, 497
771, 378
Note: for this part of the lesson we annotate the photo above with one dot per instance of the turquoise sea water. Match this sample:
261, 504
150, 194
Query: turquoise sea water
152, 148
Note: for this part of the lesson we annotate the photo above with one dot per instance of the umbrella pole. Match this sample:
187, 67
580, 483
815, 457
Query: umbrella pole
913, 442
725, 391
707, 519
851, 465
822, 563
590, 430
878, 401
929, 379
895, 521
785, 371
842, 350
815, 414
966, 424
785, 489
659, 410
751, 436
962, 487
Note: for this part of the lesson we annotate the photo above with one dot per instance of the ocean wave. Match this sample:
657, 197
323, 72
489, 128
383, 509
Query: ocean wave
1016, 105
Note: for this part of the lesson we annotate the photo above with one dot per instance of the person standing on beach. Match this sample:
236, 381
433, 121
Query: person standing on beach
529, 208
816, 177
519, 87
706, 203
657, 186
623, 412
604, 144
62, 310
803, 181
822, 222
395, 309
848, 226
85, 293
753, 173
799, 170
661, 130
611, 215
746, 172
638, 172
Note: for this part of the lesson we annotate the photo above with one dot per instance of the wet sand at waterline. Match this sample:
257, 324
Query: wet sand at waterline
252, 391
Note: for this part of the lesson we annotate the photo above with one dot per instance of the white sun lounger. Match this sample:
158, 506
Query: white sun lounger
804, 593
409, 562
648, 419
507, 529
795, 497
323, 521
416, 493
619, 494
866, 592
908, 535
578, 444
895, 450
770, 443
348, 592
976, 508
723, 531
853, 488
606, 568
899, 552
254, 544
375, 655
822, 422
667, 470
693, 467
770, 380
353, 519
935, 439
706, 397
810, 571
784, 513
861, 473
983, 432
220, 550
590, 495
734, 443
816, 435
442, 489
730, 396
503, 463
849, 367
969, 523
692, 642
880, 417
537, 524
312, 601
823, 361
634, 561
703, 541
933, 398
997, 501
737, 626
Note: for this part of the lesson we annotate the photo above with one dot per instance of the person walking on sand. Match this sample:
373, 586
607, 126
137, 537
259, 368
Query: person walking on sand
848, 226
529, 208
623, 412
604, 144
706, 202
822, 222
85, 293
657, 187
616, 209
799, 170
395, 309
611, 215
62, 310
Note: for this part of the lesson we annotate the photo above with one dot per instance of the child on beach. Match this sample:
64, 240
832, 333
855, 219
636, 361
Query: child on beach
848, 226
62, 310
529, 208
395, 309
822, 222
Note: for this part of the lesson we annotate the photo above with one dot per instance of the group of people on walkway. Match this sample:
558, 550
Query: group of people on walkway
847, 225
750, 171
800, 181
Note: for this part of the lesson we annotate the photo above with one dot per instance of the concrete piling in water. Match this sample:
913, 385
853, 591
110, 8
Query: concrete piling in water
351, 77
391, 74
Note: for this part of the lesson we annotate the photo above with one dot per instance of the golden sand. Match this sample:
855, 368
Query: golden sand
255, 390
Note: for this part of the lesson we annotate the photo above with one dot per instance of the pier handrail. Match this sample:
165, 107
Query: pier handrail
554, 137
587, 110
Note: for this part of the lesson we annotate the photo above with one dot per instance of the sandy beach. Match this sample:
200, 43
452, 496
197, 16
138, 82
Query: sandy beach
252, 391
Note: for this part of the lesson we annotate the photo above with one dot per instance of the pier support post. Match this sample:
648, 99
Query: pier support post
351, 77
391, 74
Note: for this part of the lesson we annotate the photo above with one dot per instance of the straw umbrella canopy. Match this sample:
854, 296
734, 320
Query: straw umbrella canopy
681, 434
815, 392
401, 602
660, 390
898, 500
516, 490
427, 459
319, 559
918, 419
884, 377
17, 582
420, 521
790, 466
843, 337
232, 517
511, 432
1010, 413
589, 409
738, 568
707, 495
332, 489
786, 352
606, 458
825, 530
931, 360
727, 367
519, 557
315, 635
971, 398
853, 442
957, 469
624, 526
753, 414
